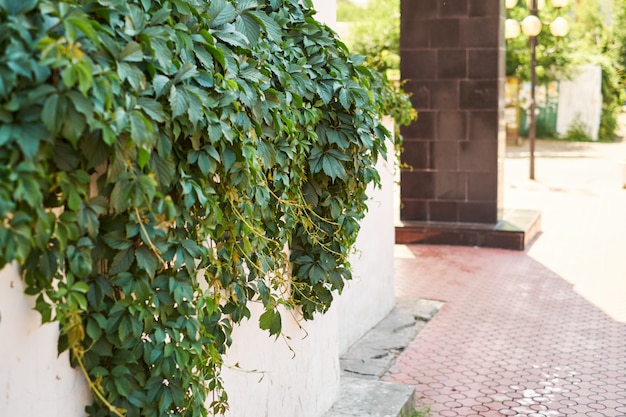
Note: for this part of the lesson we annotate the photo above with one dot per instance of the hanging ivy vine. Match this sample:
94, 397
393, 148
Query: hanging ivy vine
165, 162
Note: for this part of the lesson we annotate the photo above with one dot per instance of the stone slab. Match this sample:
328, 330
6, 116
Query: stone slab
373, 354
362, 393
515, 229
367, 398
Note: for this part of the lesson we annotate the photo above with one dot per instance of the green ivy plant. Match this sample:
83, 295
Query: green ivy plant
165, 162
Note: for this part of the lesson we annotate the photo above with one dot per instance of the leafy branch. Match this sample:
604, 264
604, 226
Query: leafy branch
147, 146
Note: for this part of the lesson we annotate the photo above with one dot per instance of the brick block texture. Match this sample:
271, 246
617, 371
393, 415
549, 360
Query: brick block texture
453, 65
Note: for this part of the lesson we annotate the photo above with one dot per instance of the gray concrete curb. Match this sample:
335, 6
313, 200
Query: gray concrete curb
370, 398
362, 394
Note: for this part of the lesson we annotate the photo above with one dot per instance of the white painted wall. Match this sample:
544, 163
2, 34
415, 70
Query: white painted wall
294, 375
580, 101
34, 381
369, 297
326, 12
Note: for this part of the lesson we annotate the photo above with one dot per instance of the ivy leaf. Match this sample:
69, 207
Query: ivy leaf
49, 264
108, 135
206, 164
249, 26
122, 261
178, 101
325, 91
6, 133
17, 7
95, 150
143, 156
231, 36
316, 274
163, 168
132, 52
271, 320
152, 108
30, 137
66, 229
161, 51
117, 240
141, 130
217, 54
73, 126
94, 328
205, 58
53, 113
135, 77
88, 220
146, 260
84, 72
221, 12
272, 28
81, 264
244, 5
229, 158
345, 98
135, 20
186, 71
194, 110
276, 326
337, 138
65, 157
138, 399
160, 16
160, 84
85, 25
310, 195
332, 167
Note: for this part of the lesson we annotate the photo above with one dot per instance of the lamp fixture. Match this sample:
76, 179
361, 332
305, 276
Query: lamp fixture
559, 27
509, 4
531, 26
511, 29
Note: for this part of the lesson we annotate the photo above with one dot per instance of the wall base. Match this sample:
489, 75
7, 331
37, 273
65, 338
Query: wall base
370, 398
515, 230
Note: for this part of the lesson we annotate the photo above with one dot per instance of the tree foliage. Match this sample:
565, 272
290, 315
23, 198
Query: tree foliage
553, 55
374, 31
592, 39
619, 34
157, 157
600, 41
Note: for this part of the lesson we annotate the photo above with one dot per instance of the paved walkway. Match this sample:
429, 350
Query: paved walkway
534, 333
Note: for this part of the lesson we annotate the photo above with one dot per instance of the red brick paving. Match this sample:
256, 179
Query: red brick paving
513, 339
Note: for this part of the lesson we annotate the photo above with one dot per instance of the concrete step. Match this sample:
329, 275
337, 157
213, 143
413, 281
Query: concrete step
372, 355
370, 398
362, 393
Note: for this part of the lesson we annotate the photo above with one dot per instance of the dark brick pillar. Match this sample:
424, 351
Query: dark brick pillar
453, 62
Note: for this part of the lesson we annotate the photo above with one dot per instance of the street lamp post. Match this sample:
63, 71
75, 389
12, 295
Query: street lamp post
533, 82
531, 26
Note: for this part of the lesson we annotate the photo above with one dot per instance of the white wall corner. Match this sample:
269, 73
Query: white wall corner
34, 380
370, 296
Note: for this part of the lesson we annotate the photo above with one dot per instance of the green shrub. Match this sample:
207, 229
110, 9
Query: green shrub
578, 132
156, 158
599, 43
374, 31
